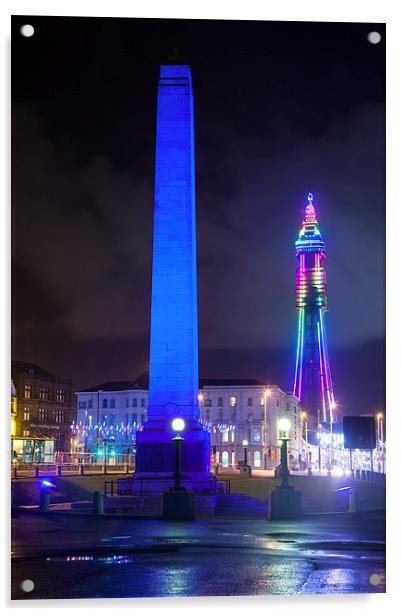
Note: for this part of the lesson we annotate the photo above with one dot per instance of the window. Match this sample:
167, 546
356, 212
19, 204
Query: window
207, 416
220, 401
233, 401
220, 415
249, 402
233, 414
59, 416
27, 413
287, 406
25, 433
104, 403
257, 436
257, 459
142, 417
134, 401
225, 436
134, 418
44, 393
89, 404
225, 459
27, 391
112, 403
277, 402
82, 405
143, 402
208, 402
232, 436
60, 395
250, 417
42, 414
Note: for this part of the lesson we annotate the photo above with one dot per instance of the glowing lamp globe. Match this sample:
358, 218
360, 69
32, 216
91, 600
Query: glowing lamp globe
284, 424
178, 424
245, 443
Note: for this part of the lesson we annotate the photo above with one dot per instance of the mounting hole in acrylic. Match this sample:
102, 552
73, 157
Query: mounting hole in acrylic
374, 38
27, 585
27, 30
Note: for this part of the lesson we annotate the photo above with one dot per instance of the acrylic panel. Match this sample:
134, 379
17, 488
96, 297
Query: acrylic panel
198, 329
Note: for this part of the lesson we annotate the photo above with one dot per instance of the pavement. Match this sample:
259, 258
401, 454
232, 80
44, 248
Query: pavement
82, 556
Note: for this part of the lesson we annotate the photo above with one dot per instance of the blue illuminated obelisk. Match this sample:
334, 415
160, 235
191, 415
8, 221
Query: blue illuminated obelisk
173, 368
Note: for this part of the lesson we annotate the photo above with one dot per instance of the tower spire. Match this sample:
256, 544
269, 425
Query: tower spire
312, 383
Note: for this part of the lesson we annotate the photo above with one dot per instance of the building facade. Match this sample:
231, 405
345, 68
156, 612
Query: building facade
44, 405
110, 414
235, 411
108, 417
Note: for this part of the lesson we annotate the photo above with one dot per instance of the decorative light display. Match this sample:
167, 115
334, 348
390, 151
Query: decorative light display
312, 381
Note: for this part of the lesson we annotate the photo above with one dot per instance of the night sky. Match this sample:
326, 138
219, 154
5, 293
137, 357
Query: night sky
281, 109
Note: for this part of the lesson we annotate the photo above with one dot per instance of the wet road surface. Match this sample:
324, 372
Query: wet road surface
81, 556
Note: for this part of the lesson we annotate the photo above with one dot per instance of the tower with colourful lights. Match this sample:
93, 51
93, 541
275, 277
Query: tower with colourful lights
312, 381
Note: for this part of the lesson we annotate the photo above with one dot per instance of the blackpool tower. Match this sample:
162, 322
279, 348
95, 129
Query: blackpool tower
312, 382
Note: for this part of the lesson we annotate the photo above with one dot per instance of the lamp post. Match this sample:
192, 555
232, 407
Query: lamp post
267, 393
319, 446
284, 426
178, 426
97, 423
304, 418
380, 439
245, 443
332, 407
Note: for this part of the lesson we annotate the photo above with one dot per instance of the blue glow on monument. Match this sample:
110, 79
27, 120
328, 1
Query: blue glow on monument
173, 365
173, 372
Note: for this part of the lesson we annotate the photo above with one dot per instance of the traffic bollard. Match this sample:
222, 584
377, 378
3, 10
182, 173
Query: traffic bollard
97, 503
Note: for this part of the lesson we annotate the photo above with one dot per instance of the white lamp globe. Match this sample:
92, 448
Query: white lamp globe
178, 424
284, 424
245, 443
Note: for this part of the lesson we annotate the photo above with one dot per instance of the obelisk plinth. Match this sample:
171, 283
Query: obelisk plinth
173, 367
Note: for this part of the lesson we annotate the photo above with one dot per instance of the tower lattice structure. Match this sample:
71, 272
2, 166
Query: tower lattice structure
312, 381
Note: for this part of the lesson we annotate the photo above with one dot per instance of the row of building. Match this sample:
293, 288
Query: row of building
103, 420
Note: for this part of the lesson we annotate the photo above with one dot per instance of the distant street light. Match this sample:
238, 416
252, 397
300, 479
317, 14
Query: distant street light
245, 443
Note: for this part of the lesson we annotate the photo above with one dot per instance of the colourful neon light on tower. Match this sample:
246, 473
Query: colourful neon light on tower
312, 382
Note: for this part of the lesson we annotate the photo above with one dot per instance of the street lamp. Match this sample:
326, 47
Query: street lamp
245, 443
284, 427
332, 407
178, 426
303, 416
319, 446
380, 438
380, 434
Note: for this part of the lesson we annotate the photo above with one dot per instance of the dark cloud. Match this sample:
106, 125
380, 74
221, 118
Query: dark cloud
274, 118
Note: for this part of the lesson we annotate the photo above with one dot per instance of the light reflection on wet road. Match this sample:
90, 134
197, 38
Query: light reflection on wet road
84, 557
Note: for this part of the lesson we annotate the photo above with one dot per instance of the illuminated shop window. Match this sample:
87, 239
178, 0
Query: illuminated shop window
27, 391
233, 401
